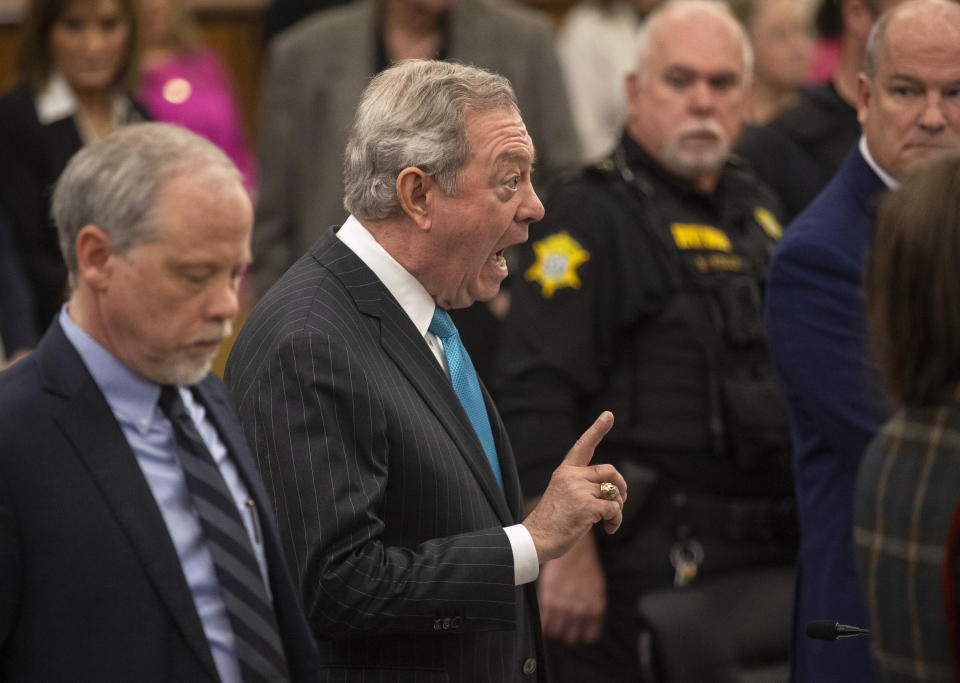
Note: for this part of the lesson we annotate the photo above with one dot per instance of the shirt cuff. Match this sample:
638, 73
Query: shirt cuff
526, 564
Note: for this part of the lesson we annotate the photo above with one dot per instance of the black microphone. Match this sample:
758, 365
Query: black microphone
829, 629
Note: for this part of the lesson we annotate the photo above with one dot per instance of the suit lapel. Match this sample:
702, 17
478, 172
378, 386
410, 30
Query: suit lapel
508, 464
401, 341
865, 185
89, 424
221, 413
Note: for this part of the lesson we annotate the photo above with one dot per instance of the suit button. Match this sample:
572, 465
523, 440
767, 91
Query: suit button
438, 624
530, 666
456, 622
446, 624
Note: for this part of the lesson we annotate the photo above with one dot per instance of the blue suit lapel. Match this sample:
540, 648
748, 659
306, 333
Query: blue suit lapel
400, 339
864, 184
87, 421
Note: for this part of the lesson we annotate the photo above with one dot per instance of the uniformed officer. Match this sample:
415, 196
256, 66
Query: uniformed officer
641, 292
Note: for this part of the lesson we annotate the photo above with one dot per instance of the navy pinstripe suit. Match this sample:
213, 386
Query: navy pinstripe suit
389, 513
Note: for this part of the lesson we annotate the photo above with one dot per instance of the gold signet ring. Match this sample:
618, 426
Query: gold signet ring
608, 491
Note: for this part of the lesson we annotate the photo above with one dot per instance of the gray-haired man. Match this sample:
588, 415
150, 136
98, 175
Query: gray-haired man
394, 480
136, 541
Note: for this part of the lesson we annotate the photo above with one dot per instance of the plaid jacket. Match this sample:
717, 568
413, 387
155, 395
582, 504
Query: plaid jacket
905, 532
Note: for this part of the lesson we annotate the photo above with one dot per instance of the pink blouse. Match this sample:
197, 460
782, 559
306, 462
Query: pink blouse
194, 91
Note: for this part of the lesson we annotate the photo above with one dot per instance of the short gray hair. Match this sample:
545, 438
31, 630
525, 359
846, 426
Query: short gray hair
113, 183
414, 114
642, 44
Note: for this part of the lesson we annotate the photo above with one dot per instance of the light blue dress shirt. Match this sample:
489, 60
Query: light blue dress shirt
133, 400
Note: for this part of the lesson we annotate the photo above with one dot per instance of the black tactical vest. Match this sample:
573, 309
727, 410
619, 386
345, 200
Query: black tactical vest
691, 373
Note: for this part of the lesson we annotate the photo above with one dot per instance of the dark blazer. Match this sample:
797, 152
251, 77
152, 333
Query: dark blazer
91, 588
32, 156
907, 519
389, 512
817, 340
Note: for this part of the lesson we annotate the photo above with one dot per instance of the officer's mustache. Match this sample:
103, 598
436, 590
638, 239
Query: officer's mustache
707, 127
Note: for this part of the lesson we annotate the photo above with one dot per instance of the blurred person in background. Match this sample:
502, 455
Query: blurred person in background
18, 321
596, 49
798, 152
908, 485
828, 48
781, 35
186, 83
78, 70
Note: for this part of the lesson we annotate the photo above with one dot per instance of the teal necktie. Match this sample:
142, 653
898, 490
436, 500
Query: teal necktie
466, 384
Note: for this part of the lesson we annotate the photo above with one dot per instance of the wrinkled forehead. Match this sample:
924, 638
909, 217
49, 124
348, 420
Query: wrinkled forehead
498, 132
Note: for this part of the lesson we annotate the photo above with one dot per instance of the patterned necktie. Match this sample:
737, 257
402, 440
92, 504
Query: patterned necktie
466, 384
249, 609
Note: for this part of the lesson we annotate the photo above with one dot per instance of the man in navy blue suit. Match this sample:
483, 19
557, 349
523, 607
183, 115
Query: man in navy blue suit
136, 540
908, 103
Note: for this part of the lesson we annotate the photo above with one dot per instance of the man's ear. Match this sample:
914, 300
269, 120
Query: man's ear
416, 191
94, 256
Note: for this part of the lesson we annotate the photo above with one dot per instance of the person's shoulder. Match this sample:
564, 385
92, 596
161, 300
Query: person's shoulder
17, 104
591, 190
747, 183
21, 397
310, 283
818, 113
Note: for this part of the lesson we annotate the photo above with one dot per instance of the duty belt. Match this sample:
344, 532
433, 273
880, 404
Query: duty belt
738, 519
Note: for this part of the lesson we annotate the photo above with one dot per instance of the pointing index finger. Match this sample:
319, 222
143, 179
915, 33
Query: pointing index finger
582, 451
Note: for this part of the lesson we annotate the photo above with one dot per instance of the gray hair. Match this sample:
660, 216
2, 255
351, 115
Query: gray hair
643, 43
414, 114
113, 183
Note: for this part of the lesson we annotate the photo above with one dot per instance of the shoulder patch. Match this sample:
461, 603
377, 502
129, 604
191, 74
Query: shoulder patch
768, 222
557, 258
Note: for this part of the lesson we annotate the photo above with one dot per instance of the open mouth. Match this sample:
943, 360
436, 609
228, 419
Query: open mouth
498, 259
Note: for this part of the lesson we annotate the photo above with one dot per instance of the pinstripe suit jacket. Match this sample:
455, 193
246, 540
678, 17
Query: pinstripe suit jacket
389, 513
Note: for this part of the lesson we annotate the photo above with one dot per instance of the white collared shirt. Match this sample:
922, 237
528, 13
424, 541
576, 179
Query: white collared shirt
887, 179
57, 101
417, 303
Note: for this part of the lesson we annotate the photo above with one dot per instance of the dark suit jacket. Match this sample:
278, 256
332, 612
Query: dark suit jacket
817, 340
91, 588
389, 512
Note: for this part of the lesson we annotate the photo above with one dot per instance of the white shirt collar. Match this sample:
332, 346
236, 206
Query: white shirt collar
56, 101
887, 179
405, 288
